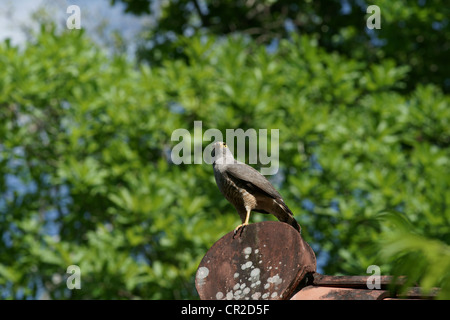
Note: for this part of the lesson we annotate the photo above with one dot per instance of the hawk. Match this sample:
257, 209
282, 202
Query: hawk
247, 189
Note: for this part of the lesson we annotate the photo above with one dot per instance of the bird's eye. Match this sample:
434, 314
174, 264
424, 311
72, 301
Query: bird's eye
224, 144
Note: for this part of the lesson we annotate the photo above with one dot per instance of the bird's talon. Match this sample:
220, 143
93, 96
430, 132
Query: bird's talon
239, 227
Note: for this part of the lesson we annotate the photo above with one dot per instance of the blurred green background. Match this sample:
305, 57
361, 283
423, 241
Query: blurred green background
85, 138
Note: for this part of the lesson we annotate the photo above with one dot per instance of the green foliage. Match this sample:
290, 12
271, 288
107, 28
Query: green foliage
88, 138
414, 33
430, 257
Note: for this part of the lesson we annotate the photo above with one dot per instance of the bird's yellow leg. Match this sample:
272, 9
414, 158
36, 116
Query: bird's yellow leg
247, 218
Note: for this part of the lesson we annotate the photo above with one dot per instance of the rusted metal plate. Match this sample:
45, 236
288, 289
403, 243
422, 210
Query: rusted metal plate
266, 261
352, 281
385, 282
330, 293
418, 293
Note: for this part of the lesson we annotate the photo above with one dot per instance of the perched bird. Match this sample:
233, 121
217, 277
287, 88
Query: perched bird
247, 189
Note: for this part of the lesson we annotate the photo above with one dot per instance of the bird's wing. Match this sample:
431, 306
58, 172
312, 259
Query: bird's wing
252, 178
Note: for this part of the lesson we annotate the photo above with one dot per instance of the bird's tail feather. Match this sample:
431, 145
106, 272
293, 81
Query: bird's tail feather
287, 216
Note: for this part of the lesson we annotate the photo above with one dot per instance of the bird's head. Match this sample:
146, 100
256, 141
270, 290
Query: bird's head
221, 153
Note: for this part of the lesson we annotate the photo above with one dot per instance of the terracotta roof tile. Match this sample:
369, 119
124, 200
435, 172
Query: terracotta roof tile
329, 293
